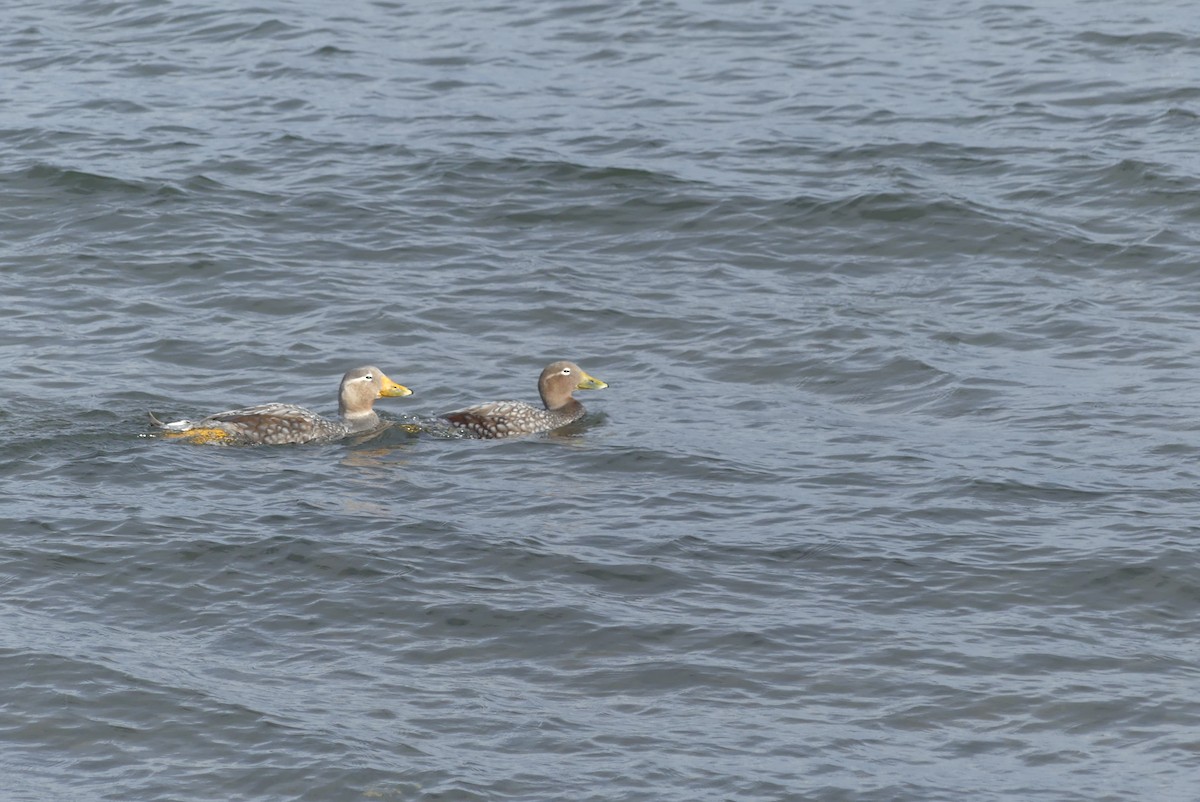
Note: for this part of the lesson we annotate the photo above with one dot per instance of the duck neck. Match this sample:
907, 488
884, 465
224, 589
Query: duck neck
358, 421
567, 404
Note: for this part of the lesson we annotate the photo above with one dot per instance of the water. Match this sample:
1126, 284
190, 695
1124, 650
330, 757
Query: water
891, 497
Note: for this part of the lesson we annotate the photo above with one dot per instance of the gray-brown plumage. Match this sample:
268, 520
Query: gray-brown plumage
507, 418
275, 424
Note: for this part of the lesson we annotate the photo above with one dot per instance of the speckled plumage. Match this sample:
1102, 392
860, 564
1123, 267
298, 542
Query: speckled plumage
276, 424
508, 418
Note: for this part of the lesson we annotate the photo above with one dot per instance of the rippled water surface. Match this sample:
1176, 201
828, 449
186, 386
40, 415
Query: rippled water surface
892, 495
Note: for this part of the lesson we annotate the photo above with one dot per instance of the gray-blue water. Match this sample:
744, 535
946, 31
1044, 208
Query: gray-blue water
893, 494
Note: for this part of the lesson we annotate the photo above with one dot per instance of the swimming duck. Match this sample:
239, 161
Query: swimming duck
274, 424
507, 418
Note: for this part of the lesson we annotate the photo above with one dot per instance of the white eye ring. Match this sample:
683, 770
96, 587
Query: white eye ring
369, 378
566, 371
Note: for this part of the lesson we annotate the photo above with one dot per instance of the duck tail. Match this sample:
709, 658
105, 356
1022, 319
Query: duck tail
173, 426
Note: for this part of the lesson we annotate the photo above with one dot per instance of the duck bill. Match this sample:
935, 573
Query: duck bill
590, 383
392, 390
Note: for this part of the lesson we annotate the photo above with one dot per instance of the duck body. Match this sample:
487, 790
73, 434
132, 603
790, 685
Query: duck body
268, 424
499, 419
277, 424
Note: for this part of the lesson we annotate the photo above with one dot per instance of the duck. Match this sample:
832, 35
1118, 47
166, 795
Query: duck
499, 419
276, 424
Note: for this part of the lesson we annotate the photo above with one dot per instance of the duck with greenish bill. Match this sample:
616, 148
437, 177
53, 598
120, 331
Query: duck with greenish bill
508, 418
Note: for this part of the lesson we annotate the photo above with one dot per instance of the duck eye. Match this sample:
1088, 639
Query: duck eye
566, 371
369, 377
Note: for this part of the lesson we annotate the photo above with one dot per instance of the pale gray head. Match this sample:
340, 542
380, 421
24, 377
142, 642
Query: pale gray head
362, 386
